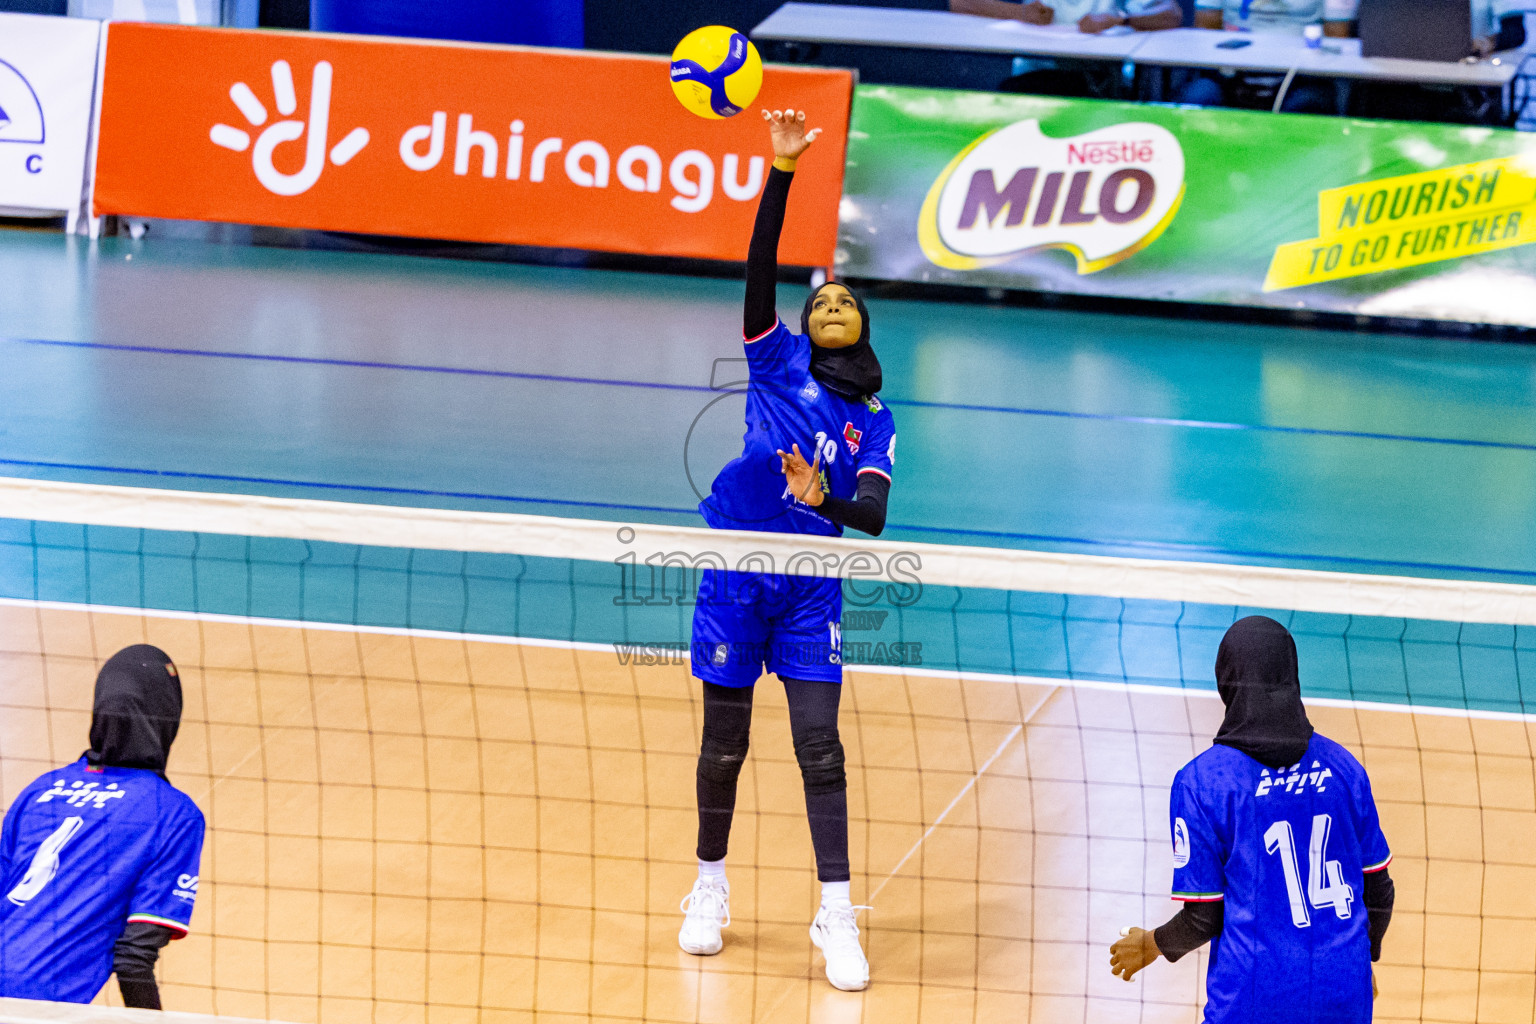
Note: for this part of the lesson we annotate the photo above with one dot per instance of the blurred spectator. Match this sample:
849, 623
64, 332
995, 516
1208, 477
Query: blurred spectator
1304, 96
1497, 25
1089, 15
1293, 16
1045, 77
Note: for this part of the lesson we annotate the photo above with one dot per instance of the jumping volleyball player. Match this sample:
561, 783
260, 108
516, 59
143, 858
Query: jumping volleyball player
1277, 854
99, 859
814, 390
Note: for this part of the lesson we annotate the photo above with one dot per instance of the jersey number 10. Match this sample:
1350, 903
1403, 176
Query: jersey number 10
1325, 878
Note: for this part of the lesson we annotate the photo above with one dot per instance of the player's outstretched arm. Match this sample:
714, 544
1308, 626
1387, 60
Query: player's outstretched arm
790, 140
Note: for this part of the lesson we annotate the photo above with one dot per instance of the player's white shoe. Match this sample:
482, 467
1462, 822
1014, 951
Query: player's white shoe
836, 934
706, 910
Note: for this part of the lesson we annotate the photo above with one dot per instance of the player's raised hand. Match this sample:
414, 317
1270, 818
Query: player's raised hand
1135, 950
787, 130
804, 480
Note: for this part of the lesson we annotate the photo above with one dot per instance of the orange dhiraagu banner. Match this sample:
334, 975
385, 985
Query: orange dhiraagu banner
447, 141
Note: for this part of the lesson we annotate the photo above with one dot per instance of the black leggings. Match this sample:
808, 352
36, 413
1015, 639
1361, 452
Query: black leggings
813, 723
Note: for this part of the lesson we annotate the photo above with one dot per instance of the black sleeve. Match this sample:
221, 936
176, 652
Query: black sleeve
133, 958
1189, 929
758, 313
1380, 894
1511, 32
866, 512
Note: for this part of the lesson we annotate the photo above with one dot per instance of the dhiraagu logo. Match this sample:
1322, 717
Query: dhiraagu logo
288, 130
1103, 196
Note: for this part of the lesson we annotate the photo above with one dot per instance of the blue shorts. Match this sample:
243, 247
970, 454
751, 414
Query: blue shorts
747, 621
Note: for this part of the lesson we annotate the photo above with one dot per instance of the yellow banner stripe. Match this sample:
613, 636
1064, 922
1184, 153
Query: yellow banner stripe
1373, 250
1413, 219
1427, 195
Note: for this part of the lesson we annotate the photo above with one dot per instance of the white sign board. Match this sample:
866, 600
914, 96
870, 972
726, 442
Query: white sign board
47, 85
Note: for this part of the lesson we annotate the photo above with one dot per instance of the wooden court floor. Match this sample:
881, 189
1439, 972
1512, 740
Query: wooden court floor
408, 828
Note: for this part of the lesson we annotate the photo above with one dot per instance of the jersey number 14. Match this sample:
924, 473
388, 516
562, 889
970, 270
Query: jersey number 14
1325, 878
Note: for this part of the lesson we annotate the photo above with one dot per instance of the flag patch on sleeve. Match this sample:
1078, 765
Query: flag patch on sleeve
852, 435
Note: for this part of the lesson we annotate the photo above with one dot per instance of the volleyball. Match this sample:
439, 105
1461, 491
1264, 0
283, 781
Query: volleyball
716, 71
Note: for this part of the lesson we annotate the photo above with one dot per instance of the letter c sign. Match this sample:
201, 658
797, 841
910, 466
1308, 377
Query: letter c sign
35, 163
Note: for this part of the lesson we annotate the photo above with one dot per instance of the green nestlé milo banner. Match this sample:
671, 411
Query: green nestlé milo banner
1383, 218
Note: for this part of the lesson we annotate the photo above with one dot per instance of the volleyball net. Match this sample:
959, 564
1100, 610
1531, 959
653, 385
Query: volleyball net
447, 759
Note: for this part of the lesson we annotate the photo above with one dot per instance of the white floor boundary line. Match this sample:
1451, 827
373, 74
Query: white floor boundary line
883, 670
324, 627
970, 784
38, 1011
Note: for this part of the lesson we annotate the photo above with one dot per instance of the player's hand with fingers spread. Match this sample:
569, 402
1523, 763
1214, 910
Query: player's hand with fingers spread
790, 139
1136, 949
804, 480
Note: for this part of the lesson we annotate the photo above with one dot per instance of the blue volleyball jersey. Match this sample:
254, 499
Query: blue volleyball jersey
787, 406
83, 851
1287, 852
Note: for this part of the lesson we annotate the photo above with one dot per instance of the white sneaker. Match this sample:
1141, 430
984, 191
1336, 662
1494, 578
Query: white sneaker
836, 934
706, 910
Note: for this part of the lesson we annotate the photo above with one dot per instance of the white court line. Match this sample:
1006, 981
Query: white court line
37, 1011
970, 784
1017, 731
883, 670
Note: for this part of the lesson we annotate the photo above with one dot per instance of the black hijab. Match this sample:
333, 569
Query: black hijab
1256, 677
137, 710
851, 371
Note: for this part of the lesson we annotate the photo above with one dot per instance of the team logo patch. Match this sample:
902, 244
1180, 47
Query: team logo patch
810, 392
852, 434
721, 653
1180, 843
873, 403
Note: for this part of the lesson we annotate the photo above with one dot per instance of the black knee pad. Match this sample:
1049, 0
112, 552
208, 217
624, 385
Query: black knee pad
720, 762
821, 762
